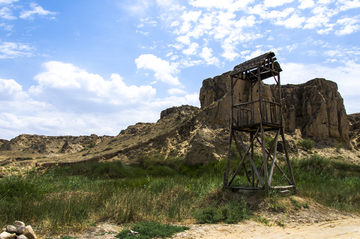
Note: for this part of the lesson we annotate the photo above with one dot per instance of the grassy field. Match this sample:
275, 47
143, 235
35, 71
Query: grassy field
75, 197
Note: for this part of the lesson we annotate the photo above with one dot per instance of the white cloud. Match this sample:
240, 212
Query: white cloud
148, 21
206, 54
191, 16
6, 13
6, 27
276, 3
175, 91
163, 69
348, 4
229, 5
317, 21
306, 4
62, 83
192, 50
295, 21
349, 25
12, 50
10, 90
35, 9
183, 40
7, 1
175, 24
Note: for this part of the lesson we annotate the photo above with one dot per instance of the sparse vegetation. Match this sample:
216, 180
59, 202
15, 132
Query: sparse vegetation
306, 144
107, 149
156, 189
338, 147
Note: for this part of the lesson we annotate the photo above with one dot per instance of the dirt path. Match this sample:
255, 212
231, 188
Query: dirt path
346, 228
343, 228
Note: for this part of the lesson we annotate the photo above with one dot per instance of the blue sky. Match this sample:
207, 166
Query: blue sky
77, 67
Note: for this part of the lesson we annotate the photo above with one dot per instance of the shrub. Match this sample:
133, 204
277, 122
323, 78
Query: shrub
306, 144
230, 212
150, 230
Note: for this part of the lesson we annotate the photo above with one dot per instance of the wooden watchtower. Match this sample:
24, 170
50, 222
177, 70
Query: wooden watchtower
256, 117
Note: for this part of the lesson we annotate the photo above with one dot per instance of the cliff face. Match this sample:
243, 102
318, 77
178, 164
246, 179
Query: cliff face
315, 107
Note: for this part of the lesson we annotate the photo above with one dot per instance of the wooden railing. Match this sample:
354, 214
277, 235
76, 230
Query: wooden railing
248, 113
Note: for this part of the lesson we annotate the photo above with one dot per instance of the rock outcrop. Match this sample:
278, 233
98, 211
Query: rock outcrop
50, 144
354, 120
315, 107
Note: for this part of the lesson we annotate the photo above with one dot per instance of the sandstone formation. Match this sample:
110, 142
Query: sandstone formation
354, 120
315, 107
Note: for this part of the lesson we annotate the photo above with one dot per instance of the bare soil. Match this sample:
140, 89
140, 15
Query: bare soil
316, 221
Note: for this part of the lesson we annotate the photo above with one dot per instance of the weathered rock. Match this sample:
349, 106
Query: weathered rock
354, 120
315, 107
10, 229
20, 227
21, 237
206, 147
182, 111
50, 144
29, 232
68, 147
6, 235
20, 230
136, 129
3, 141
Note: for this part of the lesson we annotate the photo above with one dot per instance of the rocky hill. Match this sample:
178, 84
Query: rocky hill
313, 110
315, 107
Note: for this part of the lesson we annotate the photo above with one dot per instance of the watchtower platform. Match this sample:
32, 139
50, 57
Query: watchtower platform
255, 117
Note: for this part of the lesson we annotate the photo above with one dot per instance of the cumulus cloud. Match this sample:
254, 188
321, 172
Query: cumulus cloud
295, 21
62, 83
306, 4
192, 50
68, 100
206, 54
348, 26
10, 90
163, 69
35, 10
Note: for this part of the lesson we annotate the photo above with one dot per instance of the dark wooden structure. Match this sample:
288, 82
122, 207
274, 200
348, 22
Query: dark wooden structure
255, 117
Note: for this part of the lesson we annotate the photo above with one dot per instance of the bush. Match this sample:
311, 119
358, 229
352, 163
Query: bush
306, 144
231, 212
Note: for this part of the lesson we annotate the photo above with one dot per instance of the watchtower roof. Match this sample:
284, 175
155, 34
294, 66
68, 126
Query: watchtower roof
267, 62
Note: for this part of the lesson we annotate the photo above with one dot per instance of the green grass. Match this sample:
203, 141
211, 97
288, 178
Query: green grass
75, 197
306, 144
150, 230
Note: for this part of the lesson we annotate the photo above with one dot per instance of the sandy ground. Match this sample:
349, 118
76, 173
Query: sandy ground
342, 228
348, 228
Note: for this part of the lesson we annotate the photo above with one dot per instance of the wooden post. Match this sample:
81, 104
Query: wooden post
266, 186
